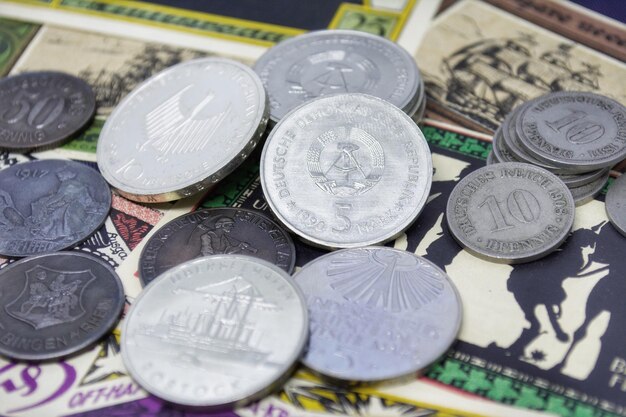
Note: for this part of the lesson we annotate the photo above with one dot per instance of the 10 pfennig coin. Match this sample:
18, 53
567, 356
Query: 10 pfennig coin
216, 331
377, 313
510, 212
346, 171
183, 130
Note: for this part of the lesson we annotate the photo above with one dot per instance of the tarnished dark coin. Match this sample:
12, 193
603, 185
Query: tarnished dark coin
616, 204
377, 313
574, 129
586, 193
215, 232
510, 212
41, 109
49, 205
56, 304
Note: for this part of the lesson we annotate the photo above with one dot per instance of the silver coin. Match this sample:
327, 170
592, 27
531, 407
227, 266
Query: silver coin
492, 159
574, 129
510, 212
345, 171
57, 304
50, 205
216, 331
499, 148
43, 109
616, 204
586, 193
578, 180
336, 61
377, 313
183, 130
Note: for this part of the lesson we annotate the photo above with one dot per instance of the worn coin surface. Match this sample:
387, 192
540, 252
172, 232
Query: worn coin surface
49, 205
345, 171
585, 193
510, 212
377, 313
213, 232
616, 204
577, 129
56, 304
336, 61
215, 331
183, 130
42, 109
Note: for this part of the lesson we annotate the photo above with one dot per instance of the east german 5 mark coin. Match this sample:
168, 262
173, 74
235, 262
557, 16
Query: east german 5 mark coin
346, 171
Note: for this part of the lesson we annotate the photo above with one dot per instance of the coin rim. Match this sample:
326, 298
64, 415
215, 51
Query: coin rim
233, 401
415, 370
110, 322
395, 232
610, 196
469, 246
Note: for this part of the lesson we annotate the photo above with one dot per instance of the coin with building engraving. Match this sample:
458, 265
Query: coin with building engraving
49, 205
338, 61
183, 130
616, 204
510, 212
345, 171
43, 109
377, 313
574, 129
57, 304
215, 232
217, 331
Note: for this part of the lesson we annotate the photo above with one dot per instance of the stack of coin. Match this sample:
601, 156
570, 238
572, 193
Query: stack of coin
336, 62
578, 136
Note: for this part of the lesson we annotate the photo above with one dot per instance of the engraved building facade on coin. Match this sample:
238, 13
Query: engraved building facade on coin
345, 171
183, 130
377, 313
42, 109
338, 62
216, 331
510, 212
49, 205
216, 232
56, 304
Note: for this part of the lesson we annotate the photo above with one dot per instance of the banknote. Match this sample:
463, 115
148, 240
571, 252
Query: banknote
14, 36
479, 62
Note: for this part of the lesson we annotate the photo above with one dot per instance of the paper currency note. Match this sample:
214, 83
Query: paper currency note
479, 62
14, 36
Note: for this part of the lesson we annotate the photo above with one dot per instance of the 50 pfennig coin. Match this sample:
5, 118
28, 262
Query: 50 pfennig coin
346, 170
510, 212
217, 331
183, 130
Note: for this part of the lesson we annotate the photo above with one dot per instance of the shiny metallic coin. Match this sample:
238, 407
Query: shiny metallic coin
492, 159
616, 204
214, 232
49, 205
336, 61
574, 129
377, 313
216, 331
500, 150
57, 304
510, 212
345, 171
43, 109
183, 130
586, 193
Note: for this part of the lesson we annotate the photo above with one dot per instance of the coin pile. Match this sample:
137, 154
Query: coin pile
578, 136
337, 62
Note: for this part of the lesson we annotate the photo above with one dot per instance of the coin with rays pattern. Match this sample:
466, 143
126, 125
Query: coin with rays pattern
377, 313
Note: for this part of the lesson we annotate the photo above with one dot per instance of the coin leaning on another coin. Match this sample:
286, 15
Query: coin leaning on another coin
345, 171
183, 130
